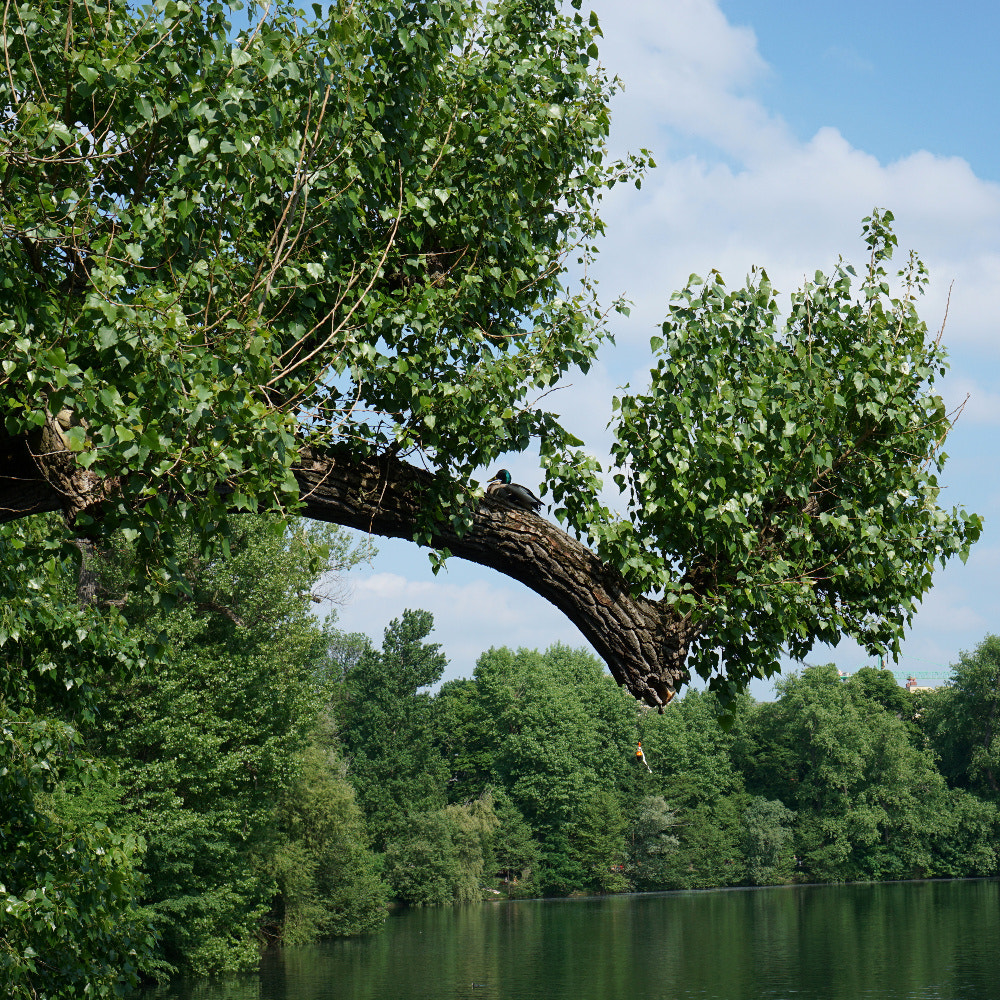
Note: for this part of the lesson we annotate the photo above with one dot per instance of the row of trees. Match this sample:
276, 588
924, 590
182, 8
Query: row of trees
237, 772
834, 781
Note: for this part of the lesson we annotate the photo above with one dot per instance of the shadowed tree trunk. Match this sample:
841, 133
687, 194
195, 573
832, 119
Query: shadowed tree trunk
643, 642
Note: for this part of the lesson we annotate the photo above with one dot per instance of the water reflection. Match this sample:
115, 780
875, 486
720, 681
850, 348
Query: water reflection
923, 940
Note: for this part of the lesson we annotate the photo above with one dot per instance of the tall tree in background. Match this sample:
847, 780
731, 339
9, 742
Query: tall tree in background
767, 841
652, 842
387, 727
327, 878
963, 721
208, 742
869, 804
442, 855
168, 796
559, 738
327, 262
695, 771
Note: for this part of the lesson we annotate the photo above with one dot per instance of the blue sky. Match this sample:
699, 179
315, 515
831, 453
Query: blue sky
776, 128
894, 78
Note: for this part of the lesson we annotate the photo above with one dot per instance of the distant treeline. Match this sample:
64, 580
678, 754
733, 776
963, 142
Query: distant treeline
268, 778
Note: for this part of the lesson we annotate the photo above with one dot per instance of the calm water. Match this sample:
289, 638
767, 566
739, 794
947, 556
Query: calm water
903, 940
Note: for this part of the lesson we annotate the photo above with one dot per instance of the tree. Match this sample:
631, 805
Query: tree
869, 804
441, 856
558, 737
210, 739
652, 843
465, 740
963, 721
597, 842
515, 852
326, 262
70, 885
693, 768
387, 727
767, 840
328, 882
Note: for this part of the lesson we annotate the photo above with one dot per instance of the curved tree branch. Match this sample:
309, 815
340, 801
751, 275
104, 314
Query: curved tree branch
644, 643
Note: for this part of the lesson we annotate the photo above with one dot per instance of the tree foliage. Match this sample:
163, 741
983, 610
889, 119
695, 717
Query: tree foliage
963, 720
69, 884
327, 877
652, 842
767, 841
696, 769
240, 262
442, 856
552, 734
781, 473
387, 727
161, 796
349, 229
211, 744
870, 804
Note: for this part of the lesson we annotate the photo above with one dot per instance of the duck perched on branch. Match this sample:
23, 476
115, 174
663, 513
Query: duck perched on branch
516, 495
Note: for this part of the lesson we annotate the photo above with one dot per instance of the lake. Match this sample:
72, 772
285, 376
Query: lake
909, 940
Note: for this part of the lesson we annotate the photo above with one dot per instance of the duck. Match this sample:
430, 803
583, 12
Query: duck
515, 494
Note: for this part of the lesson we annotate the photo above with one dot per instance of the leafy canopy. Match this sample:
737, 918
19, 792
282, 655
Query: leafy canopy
781, 474
221, 246
349, 229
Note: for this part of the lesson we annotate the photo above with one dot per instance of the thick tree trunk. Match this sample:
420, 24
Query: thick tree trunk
643, 642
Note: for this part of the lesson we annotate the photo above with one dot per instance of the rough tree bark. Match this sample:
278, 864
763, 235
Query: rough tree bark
644, 643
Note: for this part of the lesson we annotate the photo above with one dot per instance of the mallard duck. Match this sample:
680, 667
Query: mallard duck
501, 487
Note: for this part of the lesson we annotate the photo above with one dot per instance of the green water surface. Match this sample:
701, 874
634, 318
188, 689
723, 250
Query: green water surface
900, 940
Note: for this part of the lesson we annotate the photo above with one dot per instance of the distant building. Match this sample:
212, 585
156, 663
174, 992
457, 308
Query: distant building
911, 685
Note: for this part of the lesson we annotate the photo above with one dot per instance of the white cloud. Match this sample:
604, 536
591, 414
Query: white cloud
752, 193
473, 608
685, 68
849, 60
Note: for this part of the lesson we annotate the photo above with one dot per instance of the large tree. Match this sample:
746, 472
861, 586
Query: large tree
962, 721
211, 742
559, 737
386, 725
327, 263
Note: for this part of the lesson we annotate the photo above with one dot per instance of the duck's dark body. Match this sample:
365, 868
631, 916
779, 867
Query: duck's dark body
513, 493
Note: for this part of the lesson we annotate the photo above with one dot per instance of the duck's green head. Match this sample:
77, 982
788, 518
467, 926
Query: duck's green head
503, 476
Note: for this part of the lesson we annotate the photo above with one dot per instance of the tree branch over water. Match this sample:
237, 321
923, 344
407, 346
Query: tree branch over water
316, 259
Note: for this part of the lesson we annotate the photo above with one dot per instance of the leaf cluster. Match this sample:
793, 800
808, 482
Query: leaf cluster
69, 885
780, 474
353, 228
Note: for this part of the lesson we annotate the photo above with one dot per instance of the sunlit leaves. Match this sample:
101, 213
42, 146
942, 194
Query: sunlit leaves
353, 229
69, 924
781, 472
